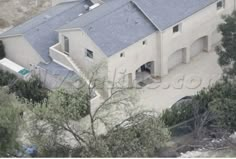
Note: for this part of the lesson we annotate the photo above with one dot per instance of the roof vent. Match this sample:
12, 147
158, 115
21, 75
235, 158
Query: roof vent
86, 7
47, 17
94, 6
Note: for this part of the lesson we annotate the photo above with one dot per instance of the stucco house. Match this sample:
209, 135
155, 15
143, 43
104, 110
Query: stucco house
135, 38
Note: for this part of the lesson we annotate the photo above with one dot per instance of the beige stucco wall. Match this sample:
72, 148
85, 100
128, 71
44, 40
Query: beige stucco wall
135, 56
202, 23
159, 47
59, 57
19, 50
79, 42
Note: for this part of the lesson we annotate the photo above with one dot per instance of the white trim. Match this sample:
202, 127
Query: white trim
9, 36
62, 65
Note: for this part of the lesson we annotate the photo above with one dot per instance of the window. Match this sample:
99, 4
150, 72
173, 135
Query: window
89, 53
122, 54
220, 4
66, 44
176, 29
144, 42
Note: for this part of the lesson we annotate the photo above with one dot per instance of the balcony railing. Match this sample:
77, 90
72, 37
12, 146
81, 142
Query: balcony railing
59, 56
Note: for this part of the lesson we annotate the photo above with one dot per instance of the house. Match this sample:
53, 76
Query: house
134, 38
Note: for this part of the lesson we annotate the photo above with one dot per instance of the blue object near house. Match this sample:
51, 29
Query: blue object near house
31, 151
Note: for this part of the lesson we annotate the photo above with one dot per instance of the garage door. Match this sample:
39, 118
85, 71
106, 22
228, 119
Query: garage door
198, 46
175, 59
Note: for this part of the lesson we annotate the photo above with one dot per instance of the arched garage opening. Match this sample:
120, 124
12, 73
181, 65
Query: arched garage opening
145, 71
199, 46
176, 58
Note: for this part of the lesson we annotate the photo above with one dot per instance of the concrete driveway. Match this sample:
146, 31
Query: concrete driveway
184, 80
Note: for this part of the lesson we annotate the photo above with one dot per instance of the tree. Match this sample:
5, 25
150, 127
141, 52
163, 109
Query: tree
141, 135
227, 50
224, 109
69, 117
10, 121
211, 107
2, 51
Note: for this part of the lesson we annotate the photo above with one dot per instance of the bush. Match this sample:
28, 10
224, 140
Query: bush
177, 114
225, 112
6, 78
2, 51
31, 90
219, 100
10, 121
141, 136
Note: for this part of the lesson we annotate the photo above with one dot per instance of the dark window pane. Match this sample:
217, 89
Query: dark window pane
89, 53
66, 44
219, 5
176, 29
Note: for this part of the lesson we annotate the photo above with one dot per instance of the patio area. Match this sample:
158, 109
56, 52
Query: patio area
184, 80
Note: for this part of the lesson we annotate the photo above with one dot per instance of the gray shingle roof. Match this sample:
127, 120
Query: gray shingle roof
113, 26
59, 71
118, 30
166, 13
40, 31
118, 24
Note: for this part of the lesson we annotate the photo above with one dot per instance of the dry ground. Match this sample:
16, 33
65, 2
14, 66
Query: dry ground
14, 12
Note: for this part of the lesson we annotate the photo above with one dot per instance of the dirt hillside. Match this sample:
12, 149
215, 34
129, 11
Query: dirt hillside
14, 12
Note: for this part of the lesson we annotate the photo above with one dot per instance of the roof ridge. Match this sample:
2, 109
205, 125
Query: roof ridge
143, 12
91, 12
107, 14
54, 16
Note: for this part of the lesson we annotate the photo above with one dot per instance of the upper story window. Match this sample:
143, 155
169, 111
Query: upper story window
66, 44
145, 42
220, 4
122, 54
89, 53
176, 29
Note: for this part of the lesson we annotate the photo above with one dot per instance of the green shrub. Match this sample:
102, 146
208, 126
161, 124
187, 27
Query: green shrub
218, 99
177, 114
224, 110
6, 78
31, 90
